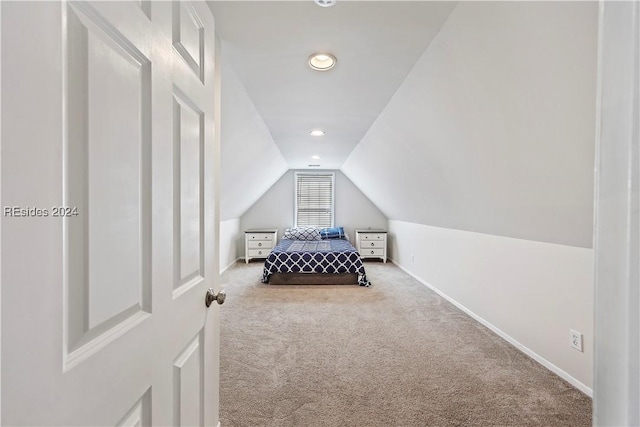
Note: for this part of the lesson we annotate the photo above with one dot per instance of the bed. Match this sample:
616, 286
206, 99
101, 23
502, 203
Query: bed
300, 259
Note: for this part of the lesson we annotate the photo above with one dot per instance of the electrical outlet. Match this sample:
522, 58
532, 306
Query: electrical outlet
575, 339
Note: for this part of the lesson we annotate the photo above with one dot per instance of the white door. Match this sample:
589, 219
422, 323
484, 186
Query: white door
109, 235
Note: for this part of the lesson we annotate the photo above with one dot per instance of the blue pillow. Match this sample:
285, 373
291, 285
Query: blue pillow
333, 233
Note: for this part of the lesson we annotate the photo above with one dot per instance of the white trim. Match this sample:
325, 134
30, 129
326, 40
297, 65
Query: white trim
0, 221
231, 264
617, 217
535, 356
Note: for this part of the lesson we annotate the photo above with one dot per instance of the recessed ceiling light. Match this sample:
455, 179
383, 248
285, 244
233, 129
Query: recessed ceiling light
317, 132
322, 61
325, 3
315, 157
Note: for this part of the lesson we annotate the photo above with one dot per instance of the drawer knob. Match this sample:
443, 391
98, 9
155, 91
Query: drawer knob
372, 252
373, 244
260, 244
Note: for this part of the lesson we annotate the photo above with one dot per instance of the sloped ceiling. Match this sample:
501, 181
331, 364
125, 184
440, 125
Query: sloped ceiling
267, 43
472, 116
250, 160
493, 130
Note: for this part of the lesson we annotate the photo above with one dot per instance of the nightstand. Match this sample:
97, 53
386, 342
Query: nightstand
372, 243
258, 243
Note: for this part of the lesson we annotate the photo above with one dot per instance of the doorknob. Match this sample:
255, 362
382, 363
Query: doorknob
212, 296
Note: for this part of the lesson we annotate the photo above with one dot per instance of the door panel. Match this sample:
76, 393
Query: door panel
188, 128
188, 36
188, 392
103, 314
140, 414
106, 177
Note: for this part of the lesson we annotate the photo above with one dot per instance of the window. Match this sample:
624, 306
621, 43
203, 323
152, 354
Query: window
314, 199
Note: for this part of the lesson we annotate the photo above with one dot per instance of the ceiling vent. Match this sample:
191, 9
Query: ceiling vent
325, 3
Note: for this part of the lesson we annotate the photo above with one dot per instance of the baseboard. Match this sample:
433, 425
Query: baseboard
532, 354
230, 265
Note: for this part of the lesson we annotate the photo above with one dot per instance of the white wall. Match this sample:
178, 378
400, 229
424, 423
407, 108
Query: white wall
485, 164
529, 292
275, 209
232, 237
493, 129
250, 160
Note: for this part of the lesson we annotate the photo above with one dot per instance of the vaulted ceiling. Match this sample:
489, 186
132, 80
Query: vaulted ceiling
376, 43
468, 116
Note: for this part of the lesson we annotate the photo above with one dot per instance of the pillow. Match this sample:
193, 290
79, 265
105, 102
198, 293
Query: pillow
333, 233
302, 233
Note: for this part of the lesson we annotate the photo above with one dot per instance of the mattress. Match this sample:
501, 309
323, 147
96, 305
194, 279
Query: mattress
319, 256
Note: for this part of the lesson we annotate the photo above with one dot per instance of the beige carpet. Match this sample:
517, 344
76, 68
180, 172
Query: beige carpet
395, 354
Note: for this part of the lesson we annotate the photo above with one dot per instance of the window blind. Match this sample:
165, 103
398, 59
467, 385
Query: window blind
314, 200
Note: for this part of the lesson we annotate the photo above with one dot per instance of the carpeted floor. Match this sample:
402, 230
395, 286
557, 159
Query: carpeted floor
395, 354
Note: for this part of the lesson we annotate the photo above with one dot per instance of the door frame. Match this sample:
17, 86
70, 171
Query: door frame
617, 218
1, 284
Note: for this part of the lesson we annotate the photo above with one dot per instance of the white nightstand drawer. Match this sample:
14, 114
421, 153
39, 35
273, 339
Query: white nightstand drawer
260, 244
259, 253
366, 252
259, 236
372, 236
371, 245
